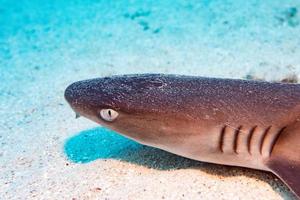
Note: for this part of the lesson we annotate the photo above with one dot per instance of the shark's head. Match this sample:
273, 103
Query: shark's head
146, 108
186, 116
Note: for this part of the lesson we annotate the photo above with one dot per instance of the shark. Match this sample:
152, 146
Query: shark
245, 123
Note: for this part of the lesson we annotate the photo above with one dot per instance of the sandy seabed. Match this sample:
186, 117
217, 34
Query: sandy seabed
44, 46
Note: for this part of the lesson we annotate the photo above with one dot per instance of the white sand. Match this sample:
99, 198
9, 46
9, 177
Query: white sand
44, 47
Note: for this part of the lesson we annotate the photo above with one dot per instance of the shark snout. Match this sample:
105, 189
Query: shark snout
70, 93
73, 95
85, 97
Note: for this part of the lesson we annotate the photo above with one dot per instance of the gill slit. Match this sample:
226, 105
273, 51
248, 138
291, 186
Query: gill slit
249, 139
262, 139
261, 143
221, 140
235, 140
273, 142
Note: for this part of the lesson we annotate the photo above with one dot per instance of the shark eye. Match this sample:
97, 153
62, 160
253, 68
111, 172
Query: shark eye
108, 114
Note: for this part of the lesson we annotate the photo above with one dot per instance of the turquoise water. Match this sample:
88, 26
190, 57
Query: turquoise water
46, 45
192, 36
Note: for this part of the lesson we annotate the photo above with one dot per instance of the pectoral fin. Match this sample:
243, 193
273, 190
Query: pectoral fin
285, 157
288, 172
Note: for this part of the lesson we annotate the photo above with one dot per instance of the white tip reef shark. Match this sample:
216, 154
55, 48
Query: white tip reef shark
244, 123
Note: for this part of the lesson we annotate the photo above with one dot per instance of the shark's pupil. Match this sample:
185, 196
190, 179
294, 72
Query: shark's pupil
108, 114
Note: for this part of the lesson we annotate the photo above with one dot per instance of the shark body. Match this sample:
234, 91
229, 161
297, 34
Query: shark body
224, 121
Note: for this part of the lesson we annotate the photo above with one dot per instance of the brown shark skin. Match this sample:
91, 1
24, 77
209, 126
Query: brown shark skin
224, 121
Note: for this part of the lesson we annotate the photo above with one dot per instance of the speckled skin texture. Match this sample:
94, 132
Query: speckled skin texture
224, 121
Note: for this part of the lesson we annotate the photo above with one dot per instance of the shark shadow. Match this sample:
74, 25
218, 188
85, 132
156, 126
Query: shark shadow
101, 143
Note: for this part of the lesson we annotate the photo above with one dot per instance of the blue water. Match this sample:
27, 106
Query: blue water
189, 37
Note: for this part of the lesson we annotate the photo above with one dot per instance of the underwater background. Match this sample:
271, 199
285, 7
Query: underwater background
46, 45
